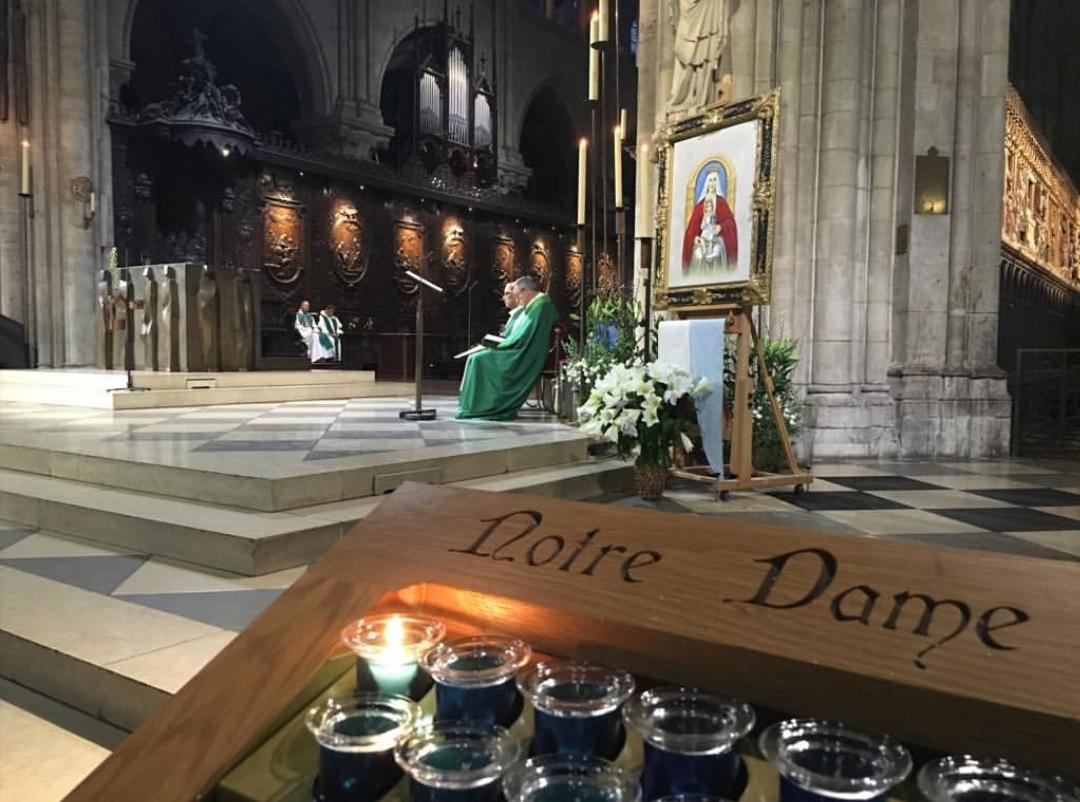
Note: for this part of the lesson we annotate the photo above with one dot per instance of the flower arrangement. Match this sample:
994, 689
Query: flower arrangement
645, 410
781, 358
610, 339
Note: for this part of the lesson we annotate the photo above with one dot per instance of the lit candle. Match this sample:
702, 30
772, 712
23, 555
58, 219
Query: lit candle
24, 178
594, 29
604, 16
617, 140
389, 648
582, 161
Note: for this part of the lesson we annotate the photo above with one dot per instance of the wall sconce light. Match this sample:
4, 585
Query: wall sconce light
82, 190
932, 183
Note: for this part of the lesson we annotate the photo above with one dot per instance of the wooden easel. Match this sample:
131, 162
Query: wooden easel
741, 468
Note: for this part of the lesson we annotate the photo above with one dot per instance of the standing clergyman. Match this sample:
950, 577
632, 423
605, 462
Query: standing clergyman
329, 334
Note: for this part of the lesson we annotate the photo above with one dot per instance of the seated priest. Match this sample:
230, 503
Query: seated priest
498, 380
305, 327
512, 302
329, 335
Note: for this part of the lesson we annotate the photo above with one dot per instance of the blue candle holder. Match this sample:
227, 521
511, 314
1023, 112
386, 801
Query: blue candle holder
969, 779
558, 778
474, 678
388, 649
455, 761
356, 736
825, 760
576, 708
689, 740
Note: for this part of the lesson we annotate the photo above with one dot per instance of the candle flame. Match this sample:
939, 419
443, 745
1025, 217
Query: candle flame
394, 638
26, 143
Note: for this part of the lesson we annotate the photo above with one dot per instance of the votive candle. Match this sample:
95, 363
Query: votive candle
558, 778
454, 761
689, 740
356, 737
474, 678
963, 778
825, 760
576, 708
388, 648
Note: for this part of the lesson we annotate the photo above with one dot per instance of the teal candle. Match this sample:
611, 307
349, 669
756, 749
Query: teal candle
388, 650
557, 778
824, 760
971, 779
474, 678
453, 761
356, 737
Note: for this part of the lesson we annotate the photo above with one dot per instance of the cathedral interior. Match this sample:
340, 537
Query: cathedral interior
196, 496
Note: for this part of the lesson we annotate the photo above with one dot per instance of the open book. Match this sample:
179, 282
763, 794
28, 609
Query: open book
489, 341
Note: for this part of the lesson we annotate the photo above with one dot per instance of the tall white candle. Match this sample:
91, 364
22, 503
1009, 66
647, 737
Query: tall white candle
605, 15
623, 122
594, 75
644, 224
594, 28
617, 140
24, 176
582, 163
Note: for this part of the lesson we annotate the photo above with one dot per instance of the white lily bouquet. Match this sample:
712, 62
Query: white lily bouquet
645, 410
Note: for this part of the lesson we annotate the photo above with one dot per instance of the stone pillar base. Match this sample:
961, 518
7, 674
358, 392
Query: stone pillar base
952, 415
352, 130
927, 414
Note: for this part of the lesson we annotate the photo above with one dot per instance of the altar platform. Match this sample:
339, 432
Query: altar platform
105, 389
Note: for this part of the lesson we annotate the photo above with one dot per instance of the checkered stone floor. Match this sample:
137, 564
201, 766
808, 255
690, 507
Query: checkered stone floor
294, 432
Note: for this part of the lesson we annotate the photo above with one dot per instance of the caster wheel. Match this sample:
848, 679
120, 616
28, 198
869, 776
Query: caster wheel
724, 495
800, 489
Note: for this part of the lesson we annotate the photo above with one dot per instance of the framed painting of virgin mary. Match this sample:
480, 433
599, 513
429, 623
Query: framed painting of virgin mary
715, 209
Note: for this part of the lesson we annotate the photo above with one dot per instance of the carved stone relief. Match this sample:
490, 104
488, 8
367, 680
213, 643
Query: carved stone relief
454, 256
502, 263
540, 264
572, 276
282, 232
408, 254
607, 279
347, 242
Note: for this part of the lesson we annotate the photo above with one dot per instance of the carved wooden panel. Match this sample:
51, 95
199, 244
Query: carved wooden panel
347, 242
607, 278
540, 264
282, 235
574, 268
502, 263
455, 259
408, 253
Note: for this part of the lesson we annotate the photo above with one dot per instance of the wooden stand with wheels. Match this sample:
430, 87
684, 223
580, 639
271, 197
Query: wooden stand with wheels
741, 468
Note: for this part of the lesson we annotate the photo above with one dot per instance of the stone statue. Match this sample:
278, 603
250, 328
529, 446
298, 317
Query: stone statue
243, 322
168, 331
107, 315
208, 320
149, 330
701, 37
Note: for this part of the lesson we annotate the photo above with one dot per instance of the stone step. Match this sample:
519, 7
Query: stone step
159, 380
238, 540
321, 482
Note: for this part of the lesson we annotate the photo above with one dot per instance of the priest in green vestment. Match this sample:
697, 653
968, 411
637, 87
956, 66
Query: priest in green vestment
329, 334
497, 381
512, 302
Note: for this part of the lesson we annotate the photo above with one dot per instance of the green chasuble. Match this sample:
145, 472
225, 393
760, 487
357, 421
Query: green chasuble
497, 381
515, 314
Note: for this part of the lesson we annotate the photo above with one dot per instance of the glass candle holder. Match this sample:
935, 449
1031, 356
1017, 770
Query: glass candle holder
561, 778
824, 760
357, 736
969, 779
455, 761
576, 708
689, 740
388, 650
692, 798
474, 678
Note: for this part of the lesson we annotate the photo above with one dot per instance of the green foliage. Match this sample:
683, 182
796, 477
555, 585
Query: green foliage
781, 358
610, 339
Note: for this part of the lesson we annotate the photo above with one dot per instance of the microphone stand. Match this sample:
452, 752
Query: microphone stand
418, 412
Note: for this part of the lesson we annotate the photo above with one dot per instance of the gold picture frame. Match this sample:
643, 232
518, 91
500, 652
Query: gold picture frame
716, 207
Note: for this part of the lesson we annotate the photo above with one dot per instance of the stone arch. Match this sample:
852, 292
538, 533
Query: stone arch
557, 88
546, 133
386, 55
286, 22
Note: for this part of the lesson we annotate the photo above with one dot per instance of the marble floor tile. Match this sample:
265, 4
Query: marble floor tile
249, 433
983, 541
158, 575
169, 668
273, 444
97, 574
88, 626
705, 502
369, 444
48, 544
939, 499
899, 522
970, 481
174, 427
1066, 541
830, 469
802, 522
10, 535
871, 483
1035, 497
837, 501
230, 609
40, 761
1013, 519
1065, 512
999, 468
